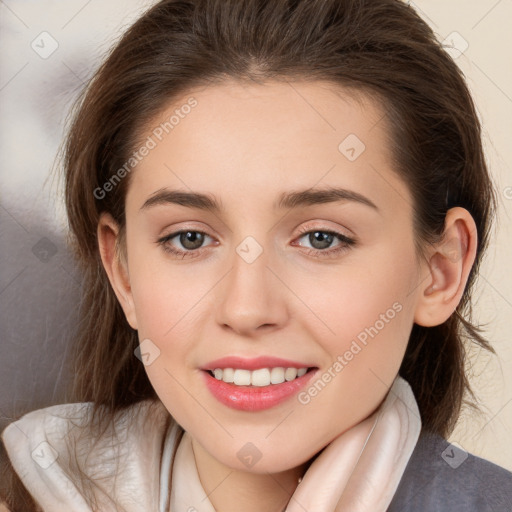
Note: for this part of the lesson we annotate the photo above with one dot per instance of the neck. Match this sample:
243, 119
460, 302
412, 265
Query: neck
231, 490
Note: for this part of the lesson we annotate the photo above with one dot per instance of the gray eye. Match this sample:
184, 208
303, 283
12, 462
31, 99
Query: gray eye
319, 239
191, 239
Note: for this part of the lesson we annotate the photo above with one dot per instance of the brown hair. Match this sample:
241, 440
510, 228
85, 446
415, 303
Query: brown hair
379, 47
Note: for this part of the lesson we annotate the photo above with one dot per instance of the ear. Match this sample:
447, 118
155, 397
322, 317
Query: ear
449, 264
116, 265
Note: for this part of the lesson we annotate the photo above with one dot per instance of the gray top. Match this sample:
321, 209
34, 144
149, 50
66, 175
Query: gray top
442, 477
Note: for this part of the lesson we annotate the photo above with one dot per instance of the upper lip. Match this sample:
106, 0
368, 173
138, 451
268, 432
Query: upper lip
253, 363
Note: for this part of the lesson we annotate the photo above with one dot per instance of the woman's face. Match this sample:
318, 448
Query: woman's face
307, 261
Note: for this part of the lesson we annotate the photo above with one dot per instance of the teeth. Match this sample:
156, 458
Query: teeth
290, 373
227, 375
261, 377
242, 377
277, 375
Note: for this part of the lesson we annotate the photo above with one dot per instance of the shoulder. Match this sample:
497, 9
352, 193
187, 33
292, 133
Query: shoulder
76, 418
54, 451
73, 422
440, 476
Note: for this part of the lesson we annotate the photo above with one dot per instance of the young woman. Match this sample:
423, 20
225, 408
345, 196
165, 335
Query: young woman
280, 208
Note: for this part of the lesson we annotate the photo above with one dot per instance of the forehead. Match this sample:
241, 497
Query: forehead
274, 111
239, 140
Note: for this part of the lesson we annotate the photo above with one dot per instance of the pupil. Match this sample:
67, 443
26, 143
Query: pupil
191, 239
323, 239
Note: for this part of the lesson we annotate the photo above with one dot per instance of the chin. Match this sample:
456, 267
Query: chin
262, 460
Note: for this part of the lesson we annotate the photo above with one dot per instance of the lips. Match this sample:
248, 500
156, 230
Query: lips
255, 384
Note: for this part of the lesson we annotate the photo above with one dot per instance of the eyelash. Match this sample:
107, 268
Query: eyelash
345, 244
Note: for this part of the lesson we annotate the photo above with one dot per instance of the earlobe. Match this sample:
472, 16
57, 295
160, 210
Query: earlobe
115, 265
448, 269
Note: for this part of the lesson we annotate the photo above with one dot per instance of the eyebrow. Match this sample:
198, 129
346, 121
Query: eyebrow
189, 199
312, 196
287, 200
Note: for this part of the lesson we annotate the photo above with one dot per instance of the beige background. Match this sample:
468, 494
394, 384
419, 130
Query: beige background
484, 25
35, 94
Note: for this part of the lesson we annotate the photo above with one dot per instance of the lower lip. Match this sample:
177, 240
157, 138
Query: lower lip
255, 398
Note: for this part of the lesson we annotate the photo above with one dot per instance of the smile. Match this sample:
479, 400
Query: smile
255, 384
261, 377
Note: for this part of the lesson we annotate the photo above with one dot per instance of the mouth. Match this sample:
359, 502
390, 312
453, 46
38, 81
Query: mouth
246, 386
259, 378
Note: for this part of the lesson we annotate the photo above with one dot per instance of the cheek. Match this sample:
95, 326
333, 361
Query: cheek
164, 294
368, 310
170, 300
164, 303
370, 298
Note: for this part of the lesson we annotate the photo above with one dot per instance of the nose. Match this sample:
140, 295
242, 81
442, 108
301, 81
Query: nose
252, 297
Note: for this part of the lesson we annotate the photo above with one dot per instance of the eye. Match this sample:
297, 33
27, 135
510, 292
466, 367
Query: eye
321, 241
190, 240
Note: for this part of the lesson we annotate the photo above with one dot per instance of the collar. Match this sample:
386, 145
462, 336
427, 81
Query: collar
128, 466
359, 471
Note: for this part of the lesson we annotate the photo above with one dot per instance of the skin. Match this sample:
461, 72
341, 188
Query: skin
246, 145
